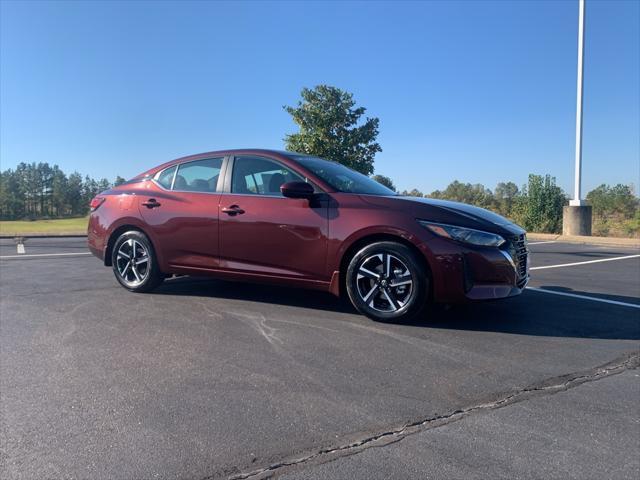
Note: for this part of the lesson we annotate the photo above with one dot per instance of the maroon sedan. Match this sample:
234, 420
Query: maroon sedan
299, 220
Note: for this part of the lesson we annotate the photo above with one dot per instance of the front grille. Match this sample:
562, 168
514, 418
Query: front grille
519, 253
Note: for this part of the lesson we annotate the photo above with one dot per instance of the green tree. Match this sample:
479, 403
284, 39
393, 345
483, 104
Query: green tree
59, 186
413, 193
386, 181
466, 193
89, 190
11, 198
6, 203
28, 187
539, 208
118, 181
103, 184
74, 194
45, 179
505, 195
328, 120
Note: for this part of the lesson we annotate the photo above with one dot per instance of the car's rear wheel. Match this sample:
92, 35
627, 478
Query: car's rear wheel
387, 281
134, 262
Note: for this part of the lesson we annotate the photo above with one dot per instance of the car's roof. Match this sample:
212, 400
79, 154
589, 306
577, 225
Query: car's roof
236, 151
244, 151
219, 153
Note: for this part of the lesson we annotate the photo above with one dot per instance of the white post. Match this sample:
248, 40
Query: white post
577, 195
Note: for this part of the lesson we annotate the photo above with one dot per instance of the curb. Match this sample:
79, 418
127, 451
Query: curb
606, 241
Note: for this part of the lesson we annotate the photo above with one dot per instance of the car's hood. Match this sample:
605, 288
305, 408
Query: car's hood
452, 213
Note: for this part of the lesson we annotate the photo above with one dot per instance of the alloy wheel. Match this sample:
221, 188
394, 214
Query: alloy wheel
384, 282
132, 262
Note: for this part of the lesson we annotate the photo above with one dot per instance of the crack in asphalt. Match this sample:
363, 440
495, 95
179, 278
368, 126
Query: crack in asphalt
546, 387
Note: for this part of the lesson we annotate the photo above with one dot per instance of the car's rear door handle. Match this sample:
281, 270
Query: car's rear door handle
151, 203
233, 210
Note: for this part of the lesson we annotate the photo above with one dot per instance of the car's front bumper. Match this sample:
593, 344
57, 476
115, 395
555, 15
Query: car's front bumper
462, 273
491, 292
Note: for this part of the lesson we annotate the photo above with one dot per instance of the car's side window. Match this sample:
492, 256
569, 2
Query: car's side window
198, 176
260, 176
165, 177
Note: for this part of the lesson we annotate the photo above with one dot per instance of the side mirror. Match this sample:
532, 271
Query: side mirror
297, 190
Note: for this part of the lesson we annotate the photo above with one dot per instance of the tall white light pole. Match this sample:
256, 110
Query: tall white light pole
576, 217
577, 196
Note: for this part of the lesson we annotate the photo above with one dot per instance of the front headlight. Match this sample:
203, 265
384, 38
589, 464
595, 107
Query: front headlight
465, 235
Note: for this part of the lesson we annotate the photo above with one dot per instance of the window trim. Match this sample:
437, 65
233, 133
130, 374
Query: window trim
219, 185
156, 175
229, 177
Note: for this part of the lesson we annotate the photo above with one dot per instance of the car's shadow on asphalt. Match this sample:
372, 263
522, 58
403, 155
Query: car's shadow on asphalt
295, 297
543, 314
532, 313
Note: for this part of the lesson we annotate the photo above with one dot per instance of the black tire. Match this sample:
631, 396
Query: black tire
129, 265
387, 281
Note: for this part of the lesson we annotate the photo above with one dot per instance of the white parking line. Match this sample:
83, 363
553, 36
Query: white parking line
540, 243
2, 257
20, 249
585, 262
584, 297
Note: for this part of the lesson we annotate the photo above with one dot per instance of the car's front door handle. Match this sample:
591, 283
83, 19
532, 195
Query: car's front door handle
233, 210
151, 203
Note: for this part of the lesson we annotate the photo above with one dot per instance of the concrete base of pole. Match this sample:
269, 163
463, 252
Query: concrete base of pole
576, 220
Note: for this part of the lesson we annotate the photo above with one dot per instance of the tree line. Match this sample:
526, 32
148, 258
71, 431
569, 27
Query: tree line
39, 190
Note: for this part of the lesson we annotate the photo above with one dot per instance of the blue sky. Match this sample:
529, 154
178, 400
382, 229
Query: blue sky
476, 91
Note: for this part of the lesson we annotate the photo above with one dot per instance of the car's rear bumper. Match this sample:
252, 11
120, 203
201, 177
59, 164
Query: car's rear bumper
98, 252
96, 237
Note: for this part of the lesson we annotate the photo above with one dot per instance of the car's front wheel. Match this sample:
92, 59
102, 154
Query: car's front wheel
387, 281
134, 262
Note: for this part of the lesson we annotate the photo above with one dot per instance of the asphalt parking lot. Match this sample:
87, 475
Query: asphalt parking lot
205, 379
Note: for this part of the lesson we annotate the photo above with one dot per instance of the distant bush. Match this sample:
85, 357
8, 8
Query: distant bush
616, 210
600, 228
632, 227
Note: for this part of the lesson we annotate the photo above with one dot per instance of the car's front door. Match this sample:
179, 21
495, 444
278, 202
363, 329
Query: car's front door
181, 210
263, 232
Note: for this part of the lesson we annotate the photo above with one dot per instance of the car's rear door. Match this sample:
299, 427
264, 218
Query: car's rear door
181, 210
265, 233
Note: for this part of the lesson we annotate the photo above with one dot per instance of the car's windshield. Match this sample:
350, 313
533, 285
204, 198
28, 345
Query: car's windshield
341, 178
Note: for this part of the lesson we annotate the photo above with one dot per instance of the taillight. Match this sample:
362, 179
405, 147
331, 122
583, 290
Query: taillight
96, 202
